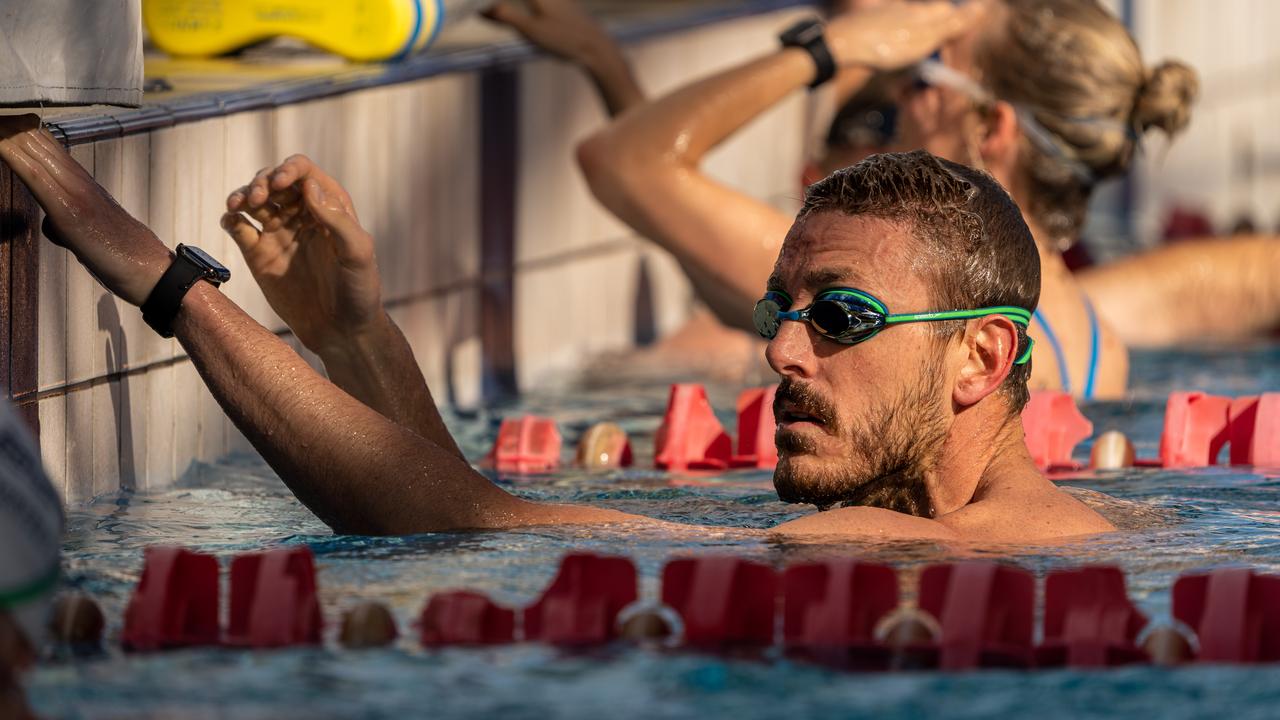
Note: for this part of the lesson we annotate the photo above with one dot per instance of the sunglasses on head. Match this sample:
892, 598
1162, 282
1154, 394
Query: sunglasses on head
850, 316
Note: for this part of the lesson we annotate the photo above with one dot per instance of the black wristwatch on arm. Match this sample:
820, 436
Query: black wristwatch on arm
810, 35
190, 265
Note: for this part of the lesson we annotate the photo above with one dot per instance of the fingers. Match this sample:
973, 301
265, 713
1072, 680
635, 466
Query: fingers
240, 230
510, 13
11, 125
258, 190
352, 244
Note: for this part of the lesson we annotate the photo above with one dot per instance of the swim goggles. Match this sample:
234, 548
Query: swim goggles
850, 316
933, 73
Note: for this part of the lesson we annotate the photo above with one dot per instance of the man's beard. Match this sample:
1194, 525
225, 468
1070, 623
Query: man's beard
892, 451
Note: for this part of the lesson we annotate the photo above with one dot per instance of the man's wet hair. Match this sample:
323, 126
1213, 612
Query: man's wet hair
978, 248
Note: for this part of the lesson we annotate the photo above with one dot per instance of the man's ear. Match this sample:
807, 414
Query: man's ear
991, 344
999, 142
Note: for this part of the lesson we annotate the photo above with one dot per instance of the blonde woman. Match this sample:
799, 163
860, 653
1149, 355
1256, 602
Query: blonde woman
1049, 96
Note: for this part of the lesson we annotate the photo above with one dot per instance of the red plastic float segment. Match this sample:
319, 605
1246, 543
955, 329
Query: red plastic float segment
1235, 613
1089, 620
526, 444
1195, 429
1254, 429
581, 605
691, 437
465, 618
723, 601
175, 603
986, 612
756, 428
1053, 427
833, 607
273, 599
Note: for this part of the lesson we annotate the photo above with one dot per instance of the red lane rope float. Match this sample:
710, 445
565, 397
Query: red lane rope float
1255, 430
690, 436
1195, 429
756, 428
1053, 427
986, 612
465, 618
1089, 620
528, 444
1234, 612
581, 605
724, 602
273, 599
1197, 426
831, 610
175, 603
973, 614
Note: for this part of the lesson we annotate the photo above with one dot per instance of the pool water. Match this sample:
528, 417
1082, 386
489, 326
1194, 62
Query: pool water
1171, 522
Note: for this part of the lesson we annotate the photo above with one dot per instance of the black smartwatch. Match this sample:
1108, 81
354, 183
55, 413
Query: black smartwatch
190, 264
810, 35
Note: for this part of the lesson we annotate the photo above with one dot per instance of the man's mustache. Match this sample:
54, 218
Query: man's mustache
799, 397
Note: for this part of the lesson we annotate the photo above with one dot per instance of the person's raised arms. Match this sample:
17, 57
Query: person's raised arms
645, 166
316, 266
564, 29
357, 470
1193, 290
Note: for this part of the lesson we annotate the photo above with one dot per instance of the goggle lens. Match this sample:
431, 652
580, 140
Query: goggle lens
830, 318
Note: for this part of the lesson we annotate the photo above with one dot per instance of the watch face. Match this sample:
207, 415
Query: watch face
203, 259
803, 33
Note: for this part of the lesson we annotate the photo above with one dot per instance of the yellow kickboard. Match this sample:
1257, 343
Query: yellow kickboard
361, 30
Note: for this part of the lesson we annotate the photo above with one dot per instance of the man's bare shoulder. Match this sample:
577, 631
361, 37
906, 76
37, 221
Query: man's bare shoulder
1026, 512
868, 522
1016, 513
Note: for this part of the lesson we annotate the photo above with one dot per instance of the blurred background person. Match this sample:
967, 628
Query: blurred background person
30, 538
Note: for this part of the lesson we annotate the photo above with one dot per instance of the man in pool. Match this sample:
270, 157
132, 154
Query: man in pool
909, 432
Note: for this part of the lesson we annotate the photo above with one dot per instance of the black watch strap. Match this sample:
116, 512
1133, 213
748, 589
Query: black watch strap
165, 299
810, 35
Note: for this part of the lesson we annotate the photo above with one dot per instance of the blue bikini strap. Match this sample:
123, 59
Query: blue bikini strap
1063, 374
1094, 347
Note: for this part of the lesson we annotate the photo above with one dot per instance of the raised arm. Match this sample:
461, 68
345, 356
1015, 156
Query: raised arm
564, 29
316, 266
1210, 289
645, 167
356, 469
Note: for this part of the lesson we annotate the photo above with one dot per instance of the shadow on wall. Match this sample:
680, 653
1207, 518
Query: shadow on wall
117, 350
644, 318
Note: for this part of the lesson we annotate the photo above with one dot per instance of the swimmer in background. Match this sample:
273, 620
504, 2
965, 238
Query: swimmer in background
703, 346
30, 564
909, 432
1050, 96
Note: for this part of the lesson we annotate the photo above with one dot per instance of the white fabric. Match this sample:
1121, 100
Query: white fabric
70, 52
30, 525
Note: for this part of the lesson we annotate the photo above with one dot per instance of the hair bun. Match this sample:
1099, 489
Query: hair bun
1165, 99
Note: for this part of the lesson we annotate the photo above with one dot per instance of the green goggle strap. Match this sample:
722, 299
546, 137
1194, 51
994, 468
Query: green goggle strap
26, 593
1019, 316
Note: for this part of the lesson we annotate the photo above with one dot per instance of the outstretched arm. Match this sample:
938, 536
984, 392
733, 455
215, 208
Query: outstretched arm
645, 167
356, 469
562, 28
1214, 289
316, 266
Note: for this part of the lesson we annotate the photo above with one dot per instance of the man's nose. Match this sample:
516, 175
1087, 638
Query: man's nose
790, 352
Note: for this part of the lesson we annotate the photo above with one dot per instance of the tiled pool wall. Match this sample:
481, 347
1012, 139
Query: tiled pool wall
497, 263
